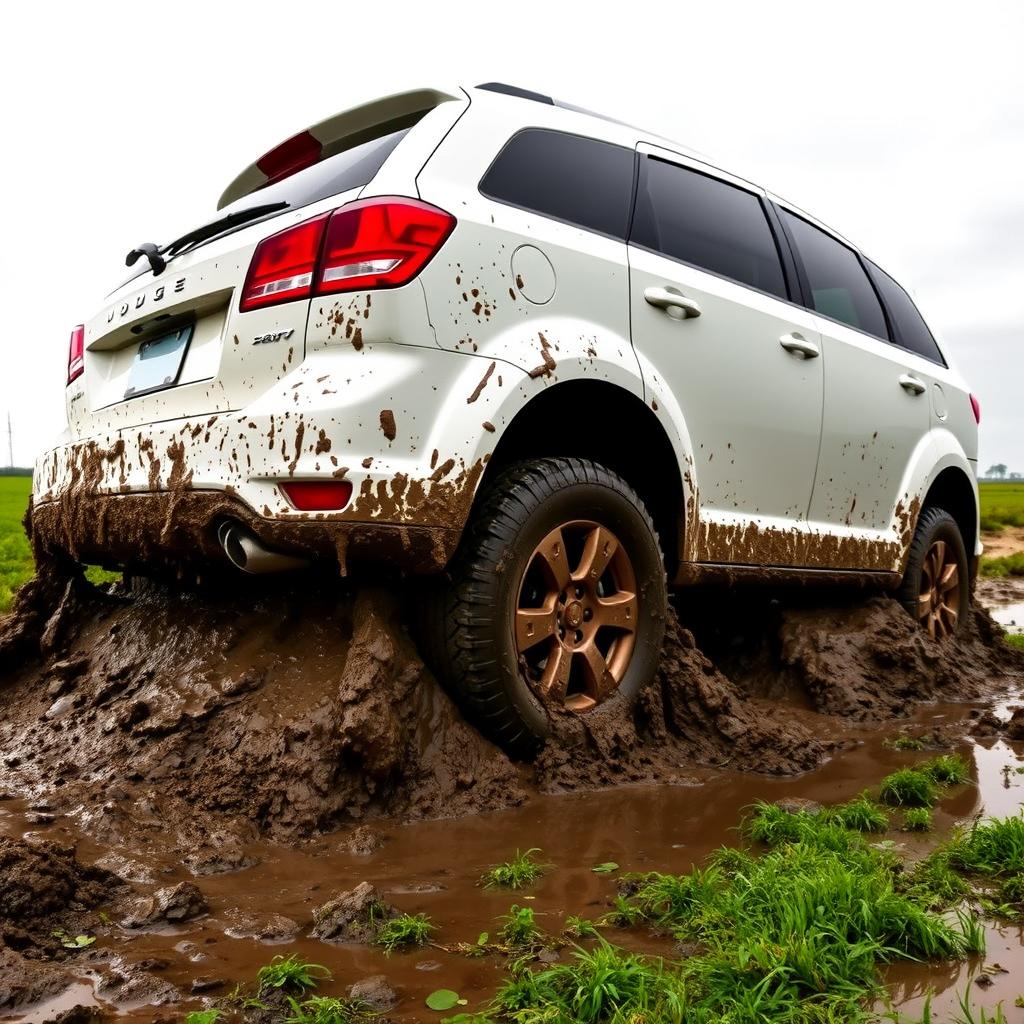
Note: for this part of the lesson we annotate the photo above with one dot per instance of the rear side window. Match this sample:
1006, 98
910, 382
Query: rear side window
568, 177
840, 288
908, 325
708, 223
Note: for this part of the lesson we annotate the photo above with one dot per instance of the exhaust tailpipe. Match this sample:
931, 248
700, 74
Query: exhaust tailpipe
247, 553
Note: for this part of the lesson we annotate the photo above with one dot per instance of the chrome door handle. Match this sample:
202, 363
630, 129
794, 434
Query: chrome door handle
677, 305
912, 385
798, 345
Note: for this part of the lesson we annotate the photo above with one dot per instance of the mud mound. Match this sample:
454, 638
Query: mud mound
202, 720
279, 712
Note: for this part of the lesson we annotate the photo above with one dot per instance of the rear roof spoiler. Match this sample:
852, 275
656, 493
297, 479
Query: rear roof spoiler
334, 135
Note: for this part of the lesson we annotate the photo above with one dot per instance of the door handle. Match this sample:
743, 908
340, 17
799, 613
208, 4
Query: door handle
798, 345
677, 305
912, 385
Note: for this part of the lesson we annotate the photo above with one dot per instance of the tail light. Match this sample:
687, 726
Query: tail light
76, 353
318, 495
380, 243
283, 265
372, 243
976, 409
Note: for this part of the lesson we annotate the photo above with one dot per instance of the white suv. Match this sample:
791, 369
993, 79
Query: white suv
552, 359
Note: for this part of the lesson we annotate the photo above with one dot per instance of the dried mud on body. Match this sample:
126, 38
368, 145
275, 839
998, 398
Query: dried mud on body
169, 730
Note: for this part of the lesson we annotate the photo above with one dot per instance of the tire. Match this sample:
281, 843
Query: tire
936, 584
512, 580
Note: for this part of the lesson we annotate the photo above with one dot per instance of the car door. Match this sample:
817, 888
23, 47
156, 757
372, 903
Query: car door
714, 328
876, 413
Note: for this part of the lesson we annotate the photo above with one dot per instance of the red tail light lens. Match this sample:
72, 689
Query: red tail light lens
318, 495
76, 353
976, 409
380, 243
284, 265
373, 243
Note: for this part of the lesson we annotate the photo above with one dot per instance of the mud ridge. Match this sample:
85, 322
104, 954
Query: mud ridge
205, 720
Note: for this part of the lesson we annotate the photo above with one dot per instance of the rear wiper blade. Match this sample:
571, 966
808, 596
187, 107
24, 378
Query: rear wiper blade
156, 255
216, 227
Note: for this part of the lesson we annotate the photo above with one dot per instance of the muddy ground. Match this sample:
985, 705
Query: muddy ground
187, 775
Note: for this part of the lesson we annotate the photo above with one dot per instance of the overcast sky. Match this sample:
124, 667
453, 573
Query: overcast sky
899, 124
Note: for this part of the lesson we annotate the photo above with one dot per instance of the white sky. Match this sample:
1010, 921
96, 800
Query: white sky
901, 124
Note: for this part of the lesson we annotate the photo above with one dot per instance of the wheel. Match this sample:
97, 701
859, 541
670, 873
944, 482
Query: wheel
556, 600
936, 585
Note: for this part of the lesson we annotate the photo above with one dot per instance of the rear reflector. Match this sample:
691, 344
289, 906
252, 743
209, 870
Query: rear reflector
318, 495
283, 265
293, 155
976, 409
380, 243
372, 243
76, 353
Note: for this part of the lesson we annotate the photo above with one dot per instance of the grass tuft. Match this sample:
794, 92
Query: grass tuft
861, 815
330, 1010
909, 787
290, 974
992, 848
516, 873
917, 819
519, 929
405, 931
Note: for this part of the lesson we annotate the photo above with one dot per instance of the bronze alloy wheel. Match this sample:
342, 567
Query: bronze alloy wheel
938, 606
576, 616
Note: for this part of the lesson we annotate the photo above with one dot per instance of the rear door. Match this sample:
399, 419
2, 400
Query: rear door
712, 317
876, 405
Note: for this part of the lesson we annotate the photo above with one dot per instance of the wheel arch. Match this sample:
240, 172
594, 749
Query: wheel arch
627, 437
954, 491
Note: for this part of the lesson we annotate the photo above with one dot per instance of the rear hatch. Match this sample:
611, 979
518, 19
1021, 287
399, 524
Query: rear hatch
170, 342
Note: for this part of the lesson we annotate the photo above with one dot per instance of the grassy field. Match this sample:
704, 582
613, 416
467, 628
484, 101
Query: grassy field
15, 554
1002, 504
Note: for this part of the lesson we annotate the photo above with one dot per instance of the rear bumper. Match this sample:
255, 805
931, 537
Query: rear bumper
158, 494
178, 530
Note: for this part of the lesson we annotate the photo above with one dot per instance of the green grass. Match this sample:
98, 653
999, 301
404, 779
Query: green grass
860, 815
516, 874
990, 848
1006, 565
1015, 640
290, 974
519, 928
917, 819
1002, 504
405, 931
330, 1010
947, 770
16, 565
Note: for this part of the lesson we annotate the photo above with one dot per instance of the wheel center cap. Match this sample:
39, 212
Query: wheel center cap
573, 614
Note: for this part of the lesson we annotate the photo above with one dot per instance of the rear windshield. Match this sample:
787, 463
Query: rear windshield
349, 169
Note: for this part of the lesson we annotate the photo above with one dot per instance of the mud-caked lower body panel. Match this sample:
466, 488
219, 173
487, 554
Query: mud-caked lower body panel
175, 530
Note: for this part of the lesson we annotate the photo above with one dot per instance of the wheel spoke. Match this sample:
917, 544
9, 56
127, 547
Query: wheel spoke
598, 550
599, 681
551, 553
534, 625
950, 578
947, 619
554, 683
617, 611
924, 604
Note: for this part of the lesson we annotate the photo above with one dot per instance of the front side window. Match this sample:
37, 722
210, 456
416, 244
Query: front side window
910, 329
581, 181
840, 288
708, 223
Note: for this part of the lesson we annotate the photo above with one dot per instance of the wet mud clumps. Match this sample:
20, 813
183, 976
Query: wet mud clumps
45, 893
207, 719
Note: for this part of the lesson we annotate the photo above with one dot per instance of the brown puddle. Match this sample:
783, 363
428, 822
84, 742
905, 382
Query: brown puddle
160, 730
434, 867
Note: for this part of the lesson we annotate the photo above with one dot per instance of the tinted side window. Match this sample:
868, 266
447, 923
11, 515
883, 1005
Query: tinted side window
688, 216
839, 286
581, 181
908, 325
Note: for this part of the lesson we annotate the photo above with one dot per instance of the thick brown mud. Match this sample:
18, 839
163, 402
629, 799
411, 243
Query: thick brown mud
223, 765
